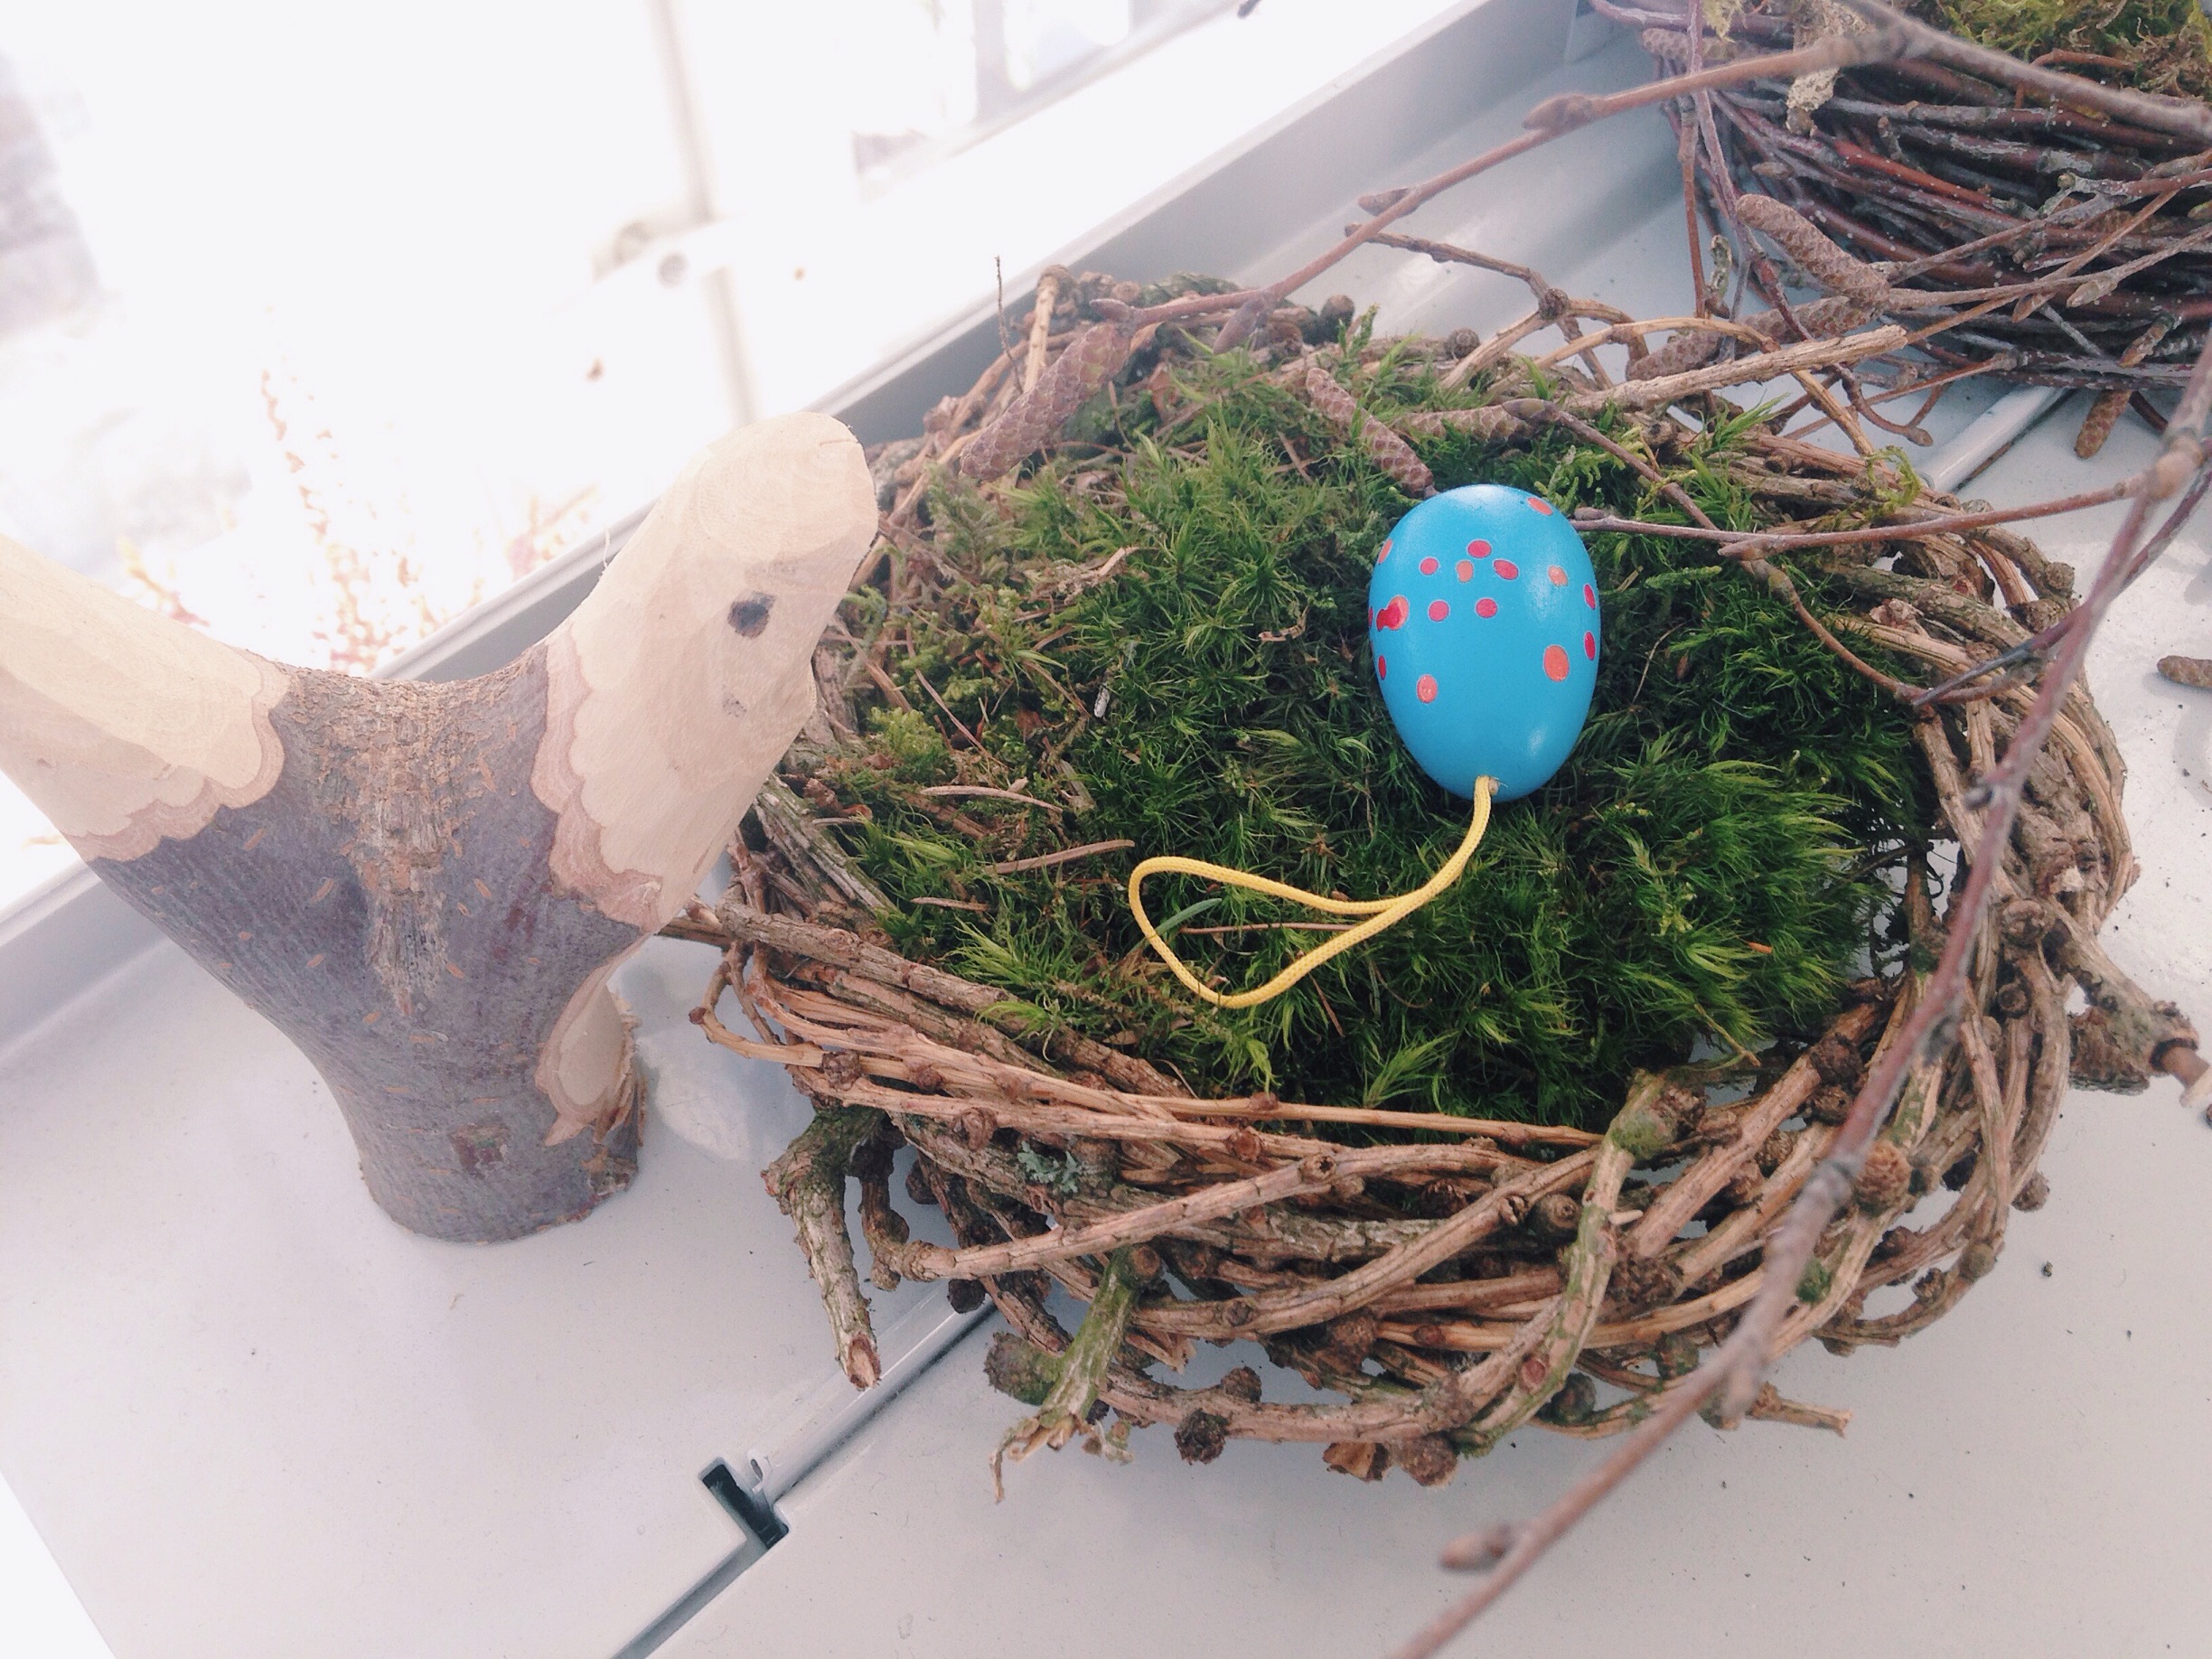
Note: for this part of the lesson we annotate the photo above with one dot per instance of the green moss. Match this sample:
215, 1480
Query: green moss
2167, 43
1703, 871
1817, 1279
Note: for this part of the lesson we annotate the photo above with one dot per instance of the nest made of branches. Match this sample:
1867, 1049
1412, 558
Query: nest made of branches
1434, 1280
2020, 234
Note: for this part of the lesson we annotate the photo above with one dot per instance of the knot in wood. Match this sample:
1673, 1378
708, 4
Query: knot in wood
1775, 1150
1555, 1218
1640, 1283
1348, 1339
1829, 1104
1320, 1168
929, 1261
1836, 1058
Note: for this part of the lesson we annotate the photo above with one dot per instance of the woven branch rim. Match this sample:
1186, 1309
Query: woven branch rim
2102, 285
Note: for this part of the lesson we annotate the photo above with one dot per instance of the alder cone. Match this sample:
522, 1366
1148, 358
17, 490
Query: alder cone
1034, 419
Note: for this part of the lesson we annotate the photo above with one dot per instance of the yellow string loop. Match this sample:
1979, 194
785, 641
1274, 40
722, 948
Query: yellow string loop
1380, 912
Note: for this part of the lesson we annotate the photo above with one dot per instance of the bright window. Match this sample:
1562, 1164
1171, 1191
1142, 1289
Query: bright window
319, 324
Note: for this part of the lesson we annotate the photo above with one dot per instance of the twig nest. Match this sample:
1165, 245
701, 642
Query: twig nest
1454, 1192
1854, 181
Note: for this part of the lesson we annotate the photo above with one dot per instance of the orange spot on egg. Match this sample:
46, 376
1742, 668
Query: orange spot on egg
1383, 554
1466, 571
1425, 687
1555, 662
1559, 577
1543, 507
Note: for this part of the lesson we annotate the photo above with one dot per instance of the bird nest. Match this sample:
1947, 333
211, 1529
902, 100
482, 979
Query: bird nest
1515, 1161
2020, 233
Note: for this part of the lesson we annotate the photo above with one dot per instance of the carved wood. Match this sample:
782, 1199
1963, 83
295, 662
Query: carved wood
428, 887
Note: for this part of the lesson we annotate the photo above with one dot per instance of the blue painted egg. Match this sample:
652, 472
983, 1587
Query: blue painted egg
1482, 615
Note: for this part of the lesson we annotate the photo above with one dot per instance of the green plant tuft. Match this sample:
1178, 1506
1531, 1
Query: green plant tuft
1704, 875
2167, 45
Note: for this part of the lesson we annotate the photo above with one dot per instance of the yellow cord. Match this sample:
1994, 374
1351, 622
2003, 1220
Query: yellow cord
1380, 912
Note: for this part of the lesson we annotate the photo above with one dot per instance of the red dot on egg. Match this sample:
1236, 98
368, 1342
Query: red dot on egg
1428, 566
1466, 571
1555, 662
1485, 607
1590, 646
1543, 507
1425, 687
1505, 568
1393, 614
1381, 669
1559, 577
1437, 610
1589, 595
1478, 548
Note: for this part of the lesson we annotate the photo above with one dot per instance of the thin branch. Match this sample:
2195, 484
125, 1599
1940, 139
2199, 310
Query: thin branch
1740, 543
1552, 118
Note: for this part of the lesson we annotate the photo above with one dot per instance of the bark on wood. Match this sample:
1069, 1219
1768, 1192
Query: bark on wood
428, 887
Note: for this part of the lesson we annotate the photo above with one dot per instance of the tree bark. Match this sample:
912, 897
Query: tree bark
428, 887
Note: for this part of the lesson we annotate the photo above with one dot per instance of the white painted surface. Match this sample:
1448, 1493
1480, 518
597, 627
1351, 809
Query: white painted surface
42, 1615
252, 1417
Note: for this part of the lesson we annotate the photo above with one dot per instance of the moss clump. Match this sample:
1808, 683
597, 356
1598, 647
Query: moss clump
2167, 45
1705, 868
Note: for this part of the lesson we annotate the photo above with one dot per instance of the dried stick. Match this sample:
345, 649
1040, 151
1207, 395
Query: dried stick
1942, 524
1082, 1368
807, 1183
1767, 365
